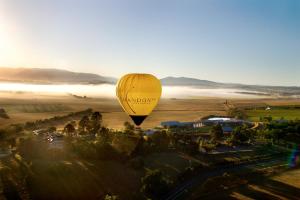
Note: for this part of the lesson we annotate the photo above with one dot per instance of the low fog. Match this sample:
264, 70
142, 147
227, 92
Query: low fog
108, 91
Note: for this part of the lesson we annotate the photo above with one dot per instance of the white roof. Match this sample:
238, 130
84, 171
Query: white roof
219, 119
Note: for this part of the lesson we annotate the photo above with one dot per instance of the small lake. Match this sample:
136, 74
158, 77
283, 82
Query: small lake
108, 90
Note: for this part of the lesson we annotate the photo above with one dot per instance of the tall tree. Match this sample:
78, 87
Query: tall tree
161, 140
84, 123
241, 134
237, 113
96, 122
69, 130
52, 129
154, 185
104, 134
217, 132
129, 128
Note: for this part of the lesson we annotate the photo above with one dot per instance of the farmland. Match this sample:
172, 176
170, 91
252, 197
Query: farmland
30, 107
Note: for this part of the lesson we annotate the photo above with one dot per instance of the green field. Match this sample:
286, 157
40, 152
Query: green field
288, 113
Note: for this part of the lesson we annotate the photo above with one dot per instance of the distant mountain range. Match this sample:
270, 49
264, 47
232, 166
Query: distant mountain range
250, 89
57, 76
184, 81
50, 76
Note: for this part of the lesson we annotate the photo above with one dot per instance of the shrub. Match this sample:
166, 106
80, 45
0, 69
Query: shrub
154, 185
137, 163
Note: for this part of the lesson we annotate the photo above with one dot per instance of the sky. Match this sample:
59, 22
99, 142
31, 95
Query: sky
237, 41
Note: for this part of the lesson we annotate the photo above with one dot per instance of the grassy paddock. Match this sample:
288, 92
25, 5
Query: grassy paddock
289, 113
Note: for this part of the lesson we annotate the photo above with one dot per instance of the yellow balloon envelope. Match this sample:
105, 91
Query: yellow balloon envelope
138, 94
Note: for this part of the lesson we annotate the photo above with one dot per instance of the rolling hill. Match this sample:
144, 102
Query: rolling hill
58, 76
50, 76
253, 89
184, 81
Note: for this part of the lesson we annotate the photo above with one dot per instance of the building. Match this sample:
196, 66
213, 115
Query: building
224, 121
176, 124
227, 123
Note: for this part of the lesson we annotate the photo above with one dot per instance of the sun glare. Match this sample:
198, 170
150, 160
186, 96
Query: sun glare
10, 43
7, 46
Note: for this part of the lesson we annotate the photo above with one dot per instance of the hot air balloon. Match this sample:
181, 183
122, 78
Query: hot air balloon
138, 94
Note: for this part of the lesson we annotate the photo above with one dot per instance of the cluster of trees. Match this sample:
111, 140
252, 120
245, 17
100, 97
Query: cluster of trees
30, 148
282, 130
241, 135
155, 185
8, 136
56, 120
129, 144
156, 142
216, 132
266, 119
3, 114
129, 128
237, 113
87, 125
100, 148
166, 141
277, 130
160, 140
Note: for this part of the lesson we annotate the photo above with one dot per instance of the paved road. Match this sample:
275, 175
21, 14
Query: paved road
180, 191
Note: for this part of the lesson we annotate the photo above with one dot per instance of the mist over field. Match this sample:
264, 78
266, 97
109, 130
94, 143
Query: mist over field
57, 81
108, 90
